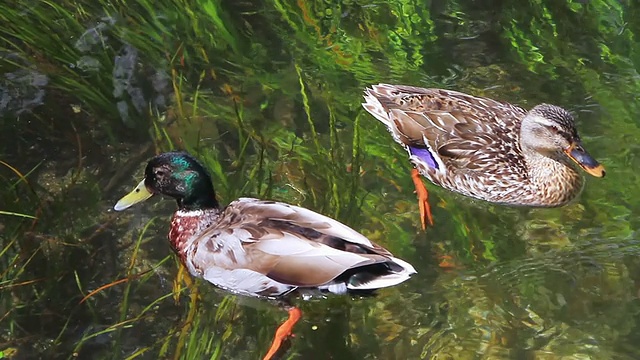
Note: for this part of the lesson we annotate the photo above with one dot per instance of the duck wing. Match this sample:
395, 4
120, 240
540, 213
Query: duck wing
447, 130
281, 245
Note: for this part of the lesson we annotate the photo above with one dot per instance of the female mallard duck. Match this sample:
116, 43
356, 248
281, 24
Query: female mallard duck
483, 148
262, 248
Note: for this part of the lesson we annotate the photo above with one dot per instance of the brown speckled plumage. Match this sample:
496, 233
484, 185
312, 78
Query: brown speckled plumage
476, 144
185, 224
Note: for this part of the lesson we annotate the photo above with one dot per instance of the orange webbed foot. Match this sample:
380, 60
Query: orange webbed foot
283, 332
423, 199
447, 262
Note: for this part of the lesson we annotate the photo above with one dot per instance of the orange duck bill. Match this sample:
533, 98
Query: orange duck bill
577, 153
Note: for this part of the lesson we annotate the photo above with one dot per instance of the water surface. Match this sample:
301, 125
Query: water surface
268, 97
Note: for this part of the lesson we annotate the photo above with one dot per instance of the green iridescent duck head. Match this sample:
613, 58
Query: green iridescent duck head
177, 175
550, 131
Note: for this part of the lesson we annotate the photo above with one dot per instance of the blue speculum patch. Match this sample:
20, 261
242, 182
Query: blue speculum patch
425, 155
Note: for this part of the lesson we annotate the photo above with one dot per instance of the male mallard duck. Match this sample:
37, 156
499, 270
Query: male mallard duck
483, 148
262, 248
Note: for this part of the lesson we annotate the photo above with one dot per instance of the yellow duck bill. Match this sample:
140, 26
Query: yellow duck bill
139, 194
577, 153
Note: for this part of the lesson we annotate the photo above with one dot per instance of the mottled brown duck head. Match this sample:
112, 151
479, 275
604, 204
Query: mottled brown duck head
177, 175
550, 130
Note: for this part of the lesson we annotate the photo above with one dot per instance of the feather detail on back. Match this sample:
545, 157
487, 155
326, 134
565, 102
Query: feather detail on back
268, 248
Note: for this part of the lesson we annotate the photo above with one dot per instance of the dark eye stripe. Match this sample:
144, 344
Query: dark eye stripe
561, 132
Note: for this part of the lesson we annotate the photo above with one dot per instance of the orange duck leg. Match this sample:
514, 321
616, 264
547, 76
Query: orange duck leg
283, 332
423, 199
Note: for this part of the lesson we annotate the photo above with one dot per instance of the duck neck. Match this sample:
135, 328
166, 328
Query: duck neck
200, 196
554, 177
188, 225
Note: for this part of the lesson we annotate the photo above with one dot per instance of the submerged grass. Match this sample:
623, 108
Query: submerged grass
10, 213
267, 95
40, 34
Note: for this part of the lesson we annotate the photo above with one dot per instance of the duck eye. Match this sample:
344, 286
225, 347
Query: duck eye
160, 173
560, 132
554, 129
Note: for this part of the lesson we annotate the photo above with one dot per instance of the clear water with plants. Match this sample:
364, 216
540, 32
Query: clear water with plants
268, 96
